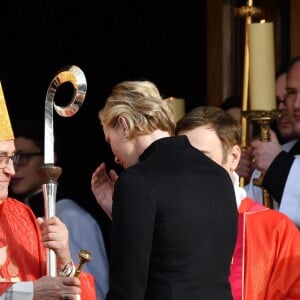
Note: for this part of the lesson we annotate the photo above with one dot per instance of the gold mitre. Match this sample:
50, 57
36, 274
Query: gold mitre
6, 132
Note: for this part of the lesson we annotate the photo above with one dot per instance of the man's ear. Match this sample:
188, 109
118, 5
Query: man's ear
124, 126
236, 155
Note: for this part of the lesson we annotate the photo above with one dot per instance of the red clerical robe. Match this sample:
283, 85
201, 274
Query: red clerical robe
22, 255
266, 261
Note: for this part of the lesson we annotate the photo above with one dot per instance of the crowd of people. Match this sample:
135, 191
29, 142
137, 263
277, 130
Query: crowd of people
182, 227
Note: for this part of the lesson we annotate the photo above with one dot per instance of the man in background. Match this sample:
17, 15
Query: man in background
268, 243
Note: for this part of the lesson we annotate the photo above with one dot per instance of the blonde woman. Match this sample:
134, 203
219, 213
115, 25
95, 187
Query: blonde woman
174, 212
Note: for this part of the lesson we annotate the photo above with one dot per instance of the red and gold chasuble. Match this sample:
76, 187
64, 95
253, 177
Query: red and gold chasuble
22, 255
266, 260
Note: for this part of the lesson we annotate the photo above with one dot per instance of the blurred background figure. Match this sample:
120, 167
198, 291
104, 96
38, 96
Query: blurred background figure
280, 164
26, 185
284, 128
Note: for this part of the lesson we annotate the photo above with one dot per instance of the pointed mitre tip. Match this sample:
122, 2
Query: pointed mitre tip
6, 132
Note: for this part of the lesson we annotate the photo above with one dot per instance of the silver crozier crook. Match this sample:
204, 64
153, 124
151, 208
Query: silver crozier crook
49, 172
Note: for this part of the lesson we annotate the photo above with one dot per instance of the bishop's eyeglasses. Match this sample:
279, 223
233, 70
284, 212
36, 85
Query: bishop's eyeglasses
18, 159
4, 160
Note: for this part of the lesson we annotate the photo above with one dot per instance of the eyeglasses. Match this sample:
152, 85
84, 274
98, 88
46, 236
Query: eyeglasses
4, 160
23, 158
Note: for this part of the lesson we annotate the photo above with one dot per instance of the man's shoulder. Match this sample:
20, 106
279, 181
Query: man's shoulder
68, 207
249, 205
19, 210
13, 203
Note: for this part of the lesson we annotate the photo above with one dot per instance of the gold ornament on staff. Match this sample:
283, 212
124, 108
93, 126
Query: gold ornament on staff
84, 256
248, 11
50, 173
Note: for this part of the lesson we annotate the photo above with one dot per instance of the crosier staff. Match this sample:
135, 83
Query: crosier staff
49, 173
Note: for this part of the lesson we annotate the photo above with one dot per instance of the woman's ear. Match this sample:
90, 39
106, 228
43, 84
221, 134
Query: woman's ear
124, 126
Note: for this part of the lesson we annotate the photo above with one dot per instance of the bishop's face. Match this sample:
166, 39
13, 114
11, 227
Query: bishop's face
7, 170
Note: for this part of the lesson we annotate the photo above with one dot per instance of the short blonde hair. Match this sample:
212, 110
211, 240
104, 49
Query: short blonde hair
141, 104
